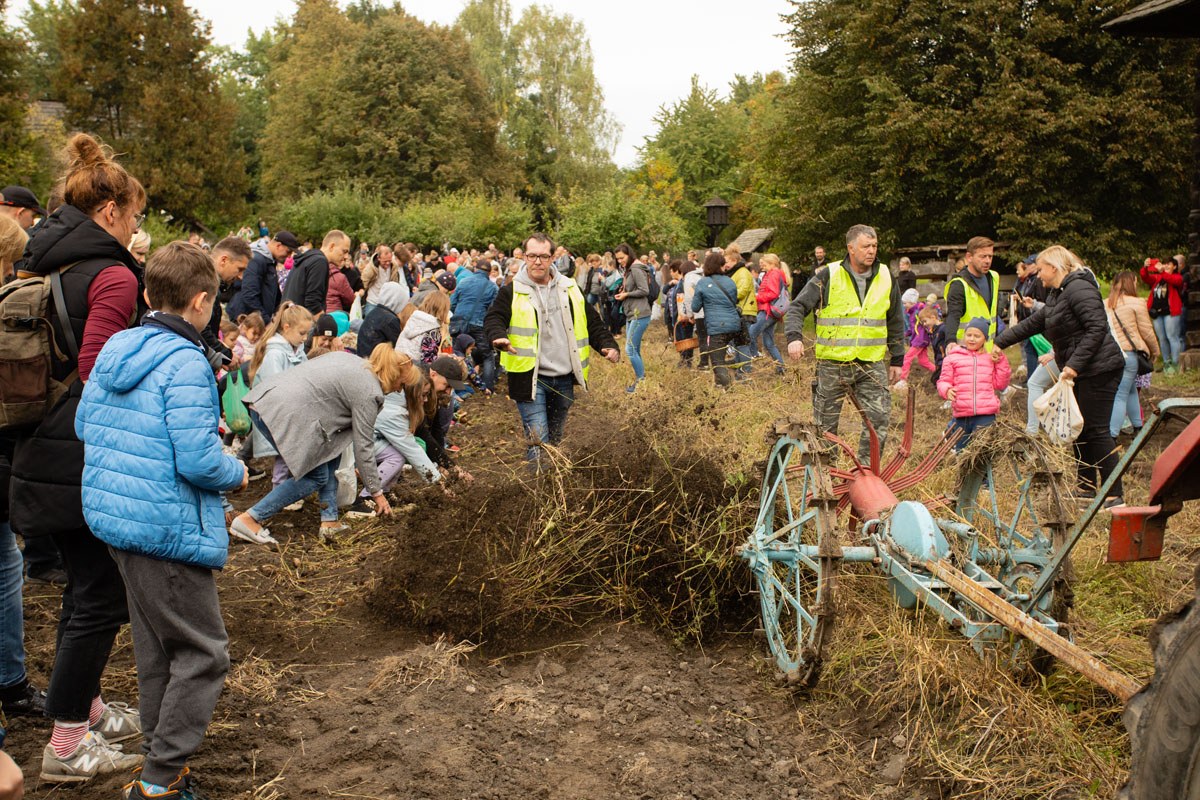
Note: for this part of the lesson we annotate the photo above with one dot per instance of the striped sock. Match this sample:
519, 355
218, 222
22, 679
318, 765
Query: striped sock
98, 708
66, 737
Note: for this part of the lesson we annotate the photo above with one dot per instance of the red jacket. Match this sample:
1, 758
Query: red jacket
975, 379
339, 296
1153, 276
772, 286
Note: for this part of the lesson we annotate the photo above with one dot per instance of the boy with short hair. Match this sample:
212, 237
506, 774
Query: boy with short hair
152, 477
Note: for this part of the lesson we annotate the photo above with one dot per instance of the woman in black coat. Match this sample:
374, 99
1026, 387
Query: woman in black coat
1075, 322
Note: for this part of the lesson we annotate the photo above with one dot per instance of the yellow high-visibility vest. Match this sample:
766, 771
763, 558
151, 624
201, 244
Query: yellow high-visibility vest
976, 305
523, 331
849, 329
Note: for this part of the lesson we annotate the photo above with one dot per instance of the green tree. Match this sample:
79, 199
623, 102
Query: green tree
1022, 119
42, 21
542, 84
698, 139
243, 76
14, 136
415, 113
305, 123
136, 73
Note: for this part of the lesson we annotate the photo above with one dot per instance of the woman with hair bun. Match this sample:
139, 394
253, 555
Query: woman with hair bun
84, 243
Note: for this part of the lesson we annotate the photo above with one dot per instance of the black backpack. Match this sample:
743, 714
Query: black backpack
655, 289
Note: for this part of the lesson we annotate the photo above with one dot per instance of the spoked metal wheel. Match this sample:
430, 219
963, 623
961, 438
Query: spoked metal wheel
1013, 494
794, 554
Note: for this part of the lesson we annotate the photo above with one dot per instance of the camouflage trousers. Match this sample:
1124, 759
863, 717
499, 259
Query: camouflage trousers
868, 382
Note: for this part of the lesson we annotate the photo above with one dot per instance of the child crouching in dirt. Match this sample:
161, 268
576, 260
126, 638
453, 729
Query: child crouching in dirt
971, 377
154, 498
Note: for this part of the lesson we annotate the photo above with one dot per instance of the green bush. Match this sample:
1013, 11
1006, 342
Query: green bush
465, 219
345, 208
603, 218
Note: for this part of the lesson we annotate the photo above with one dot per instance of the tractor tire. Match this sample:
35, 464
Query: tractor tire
1163, 719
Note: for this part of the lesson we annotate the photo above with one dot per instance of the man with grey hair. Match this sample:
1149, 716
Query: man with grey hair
860, 335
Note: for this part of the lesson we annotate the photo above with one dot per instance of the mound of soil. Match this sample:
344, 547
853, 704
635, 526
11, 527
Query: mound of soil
613, 526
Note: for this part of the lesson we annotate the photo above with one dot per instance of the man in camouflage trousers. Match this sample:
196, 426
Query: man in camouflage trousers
860, 336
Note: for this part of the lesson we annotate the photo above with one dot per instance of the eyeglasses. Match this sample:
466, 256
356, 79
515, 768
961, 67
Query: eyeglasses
139, 219
543, 257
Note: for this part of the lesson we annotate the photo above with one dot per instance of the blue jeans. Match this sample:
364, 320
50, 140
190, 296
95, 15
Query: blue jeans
484, 356
635, 329
12, 618
545, 416
320, 479
1030, 356
1126, 404
1169, 331
764, 328
1038, 384
968, 425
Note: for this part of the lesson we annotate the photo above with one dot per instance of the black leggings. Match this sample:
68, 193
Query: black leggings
1095, 449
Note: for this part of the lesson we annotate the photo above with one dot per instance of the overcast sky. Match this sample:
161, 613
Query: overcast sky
645, 50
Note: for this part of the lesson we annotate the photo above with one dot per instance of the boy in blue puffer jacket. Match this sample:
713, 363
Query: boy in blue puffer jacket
152, 477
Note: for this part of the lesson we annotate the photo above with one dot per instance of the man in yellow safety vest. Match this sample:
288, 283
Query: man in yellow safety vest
974, 291
545, 332
860, 335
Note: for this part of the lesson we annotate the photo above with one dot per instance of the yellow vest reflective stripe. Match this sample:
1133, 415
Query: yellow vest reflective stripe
849, 329
977, 306
523, 332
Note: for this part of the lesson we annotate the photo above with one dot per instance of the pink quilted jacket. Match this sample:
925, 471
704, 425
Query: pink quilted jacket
975, 379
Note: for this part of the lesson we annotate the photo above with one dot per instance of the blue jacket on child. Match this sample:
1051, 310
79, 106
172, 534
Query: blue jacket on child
153, 464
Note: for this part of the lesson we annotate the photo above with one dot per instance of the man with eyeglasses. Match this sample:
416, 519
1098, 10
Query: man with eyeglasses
545, 332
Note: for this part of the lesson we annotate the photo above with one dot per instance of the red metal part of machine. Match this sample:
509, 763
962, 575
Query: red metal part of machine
1136, 532
869, 489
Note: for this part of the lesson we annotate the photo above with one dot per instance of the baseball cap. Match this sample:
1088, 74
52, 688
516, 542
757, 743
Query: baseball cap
287, 239
452, 369
1031, 259
447, 281
21, 197
326, 326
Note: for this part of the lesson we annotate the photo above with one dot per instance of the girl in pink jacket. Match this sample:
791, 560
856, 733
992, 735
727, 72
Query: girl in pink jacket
970, 379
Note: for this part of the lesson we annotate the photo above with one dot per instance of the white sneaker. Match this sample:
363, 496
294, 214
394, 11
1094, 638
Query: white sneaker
94, 756
296, 506
119, 723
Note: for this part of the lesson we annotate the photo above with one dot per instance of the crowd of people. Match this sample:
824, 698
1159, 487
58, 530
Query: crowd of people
346, 367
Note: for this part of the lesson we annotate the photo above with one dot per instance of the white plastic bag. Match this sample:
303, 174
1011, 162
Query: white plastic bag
656, 312
356, 308
1059, 413
347, 482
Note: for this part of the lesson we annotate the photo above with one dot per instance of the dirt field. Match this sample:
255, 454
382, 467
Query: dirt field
343, 686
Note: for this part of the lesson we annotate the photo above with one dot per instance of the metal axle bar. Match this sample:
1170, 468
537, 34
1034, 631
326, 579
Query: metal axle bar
1066, 651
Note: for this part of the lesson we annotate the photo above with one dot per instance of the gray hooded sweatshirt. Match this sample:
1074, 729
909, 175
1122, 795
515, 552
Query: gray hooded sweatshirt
556, 340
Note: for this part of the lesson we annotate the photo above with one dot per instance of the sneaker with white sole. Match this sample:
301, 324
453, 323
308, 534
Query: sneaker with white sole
260, 536
296, 506
119, 723
94, 756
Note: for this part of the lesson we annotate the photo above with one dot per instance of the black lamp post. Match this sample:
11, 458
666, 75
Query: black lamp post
716, 216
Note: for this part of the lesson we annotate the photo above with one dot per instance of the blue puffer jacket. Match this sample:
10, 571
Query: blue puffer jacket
471, 299
716, 296
153, 464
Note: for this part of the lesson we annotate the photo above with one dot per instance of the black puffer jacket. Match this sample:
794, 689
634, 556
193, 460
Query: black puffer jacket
1075, 322
309, 281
